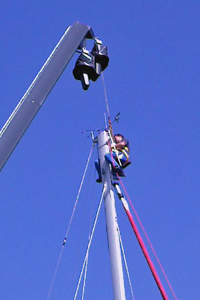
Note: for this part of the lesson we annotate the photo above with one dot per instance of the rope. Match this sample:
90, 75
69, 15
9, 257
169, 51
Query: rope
79, 191
110, 131
69, 225
107, 107
89, 244
105, 94
54, 276
84, 280
82, 224
148, 240
110, 149
126, 265
111, 134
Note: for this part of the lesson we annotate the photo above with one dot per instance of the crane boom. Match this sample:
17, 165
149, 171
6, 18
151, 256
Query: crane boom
40, 88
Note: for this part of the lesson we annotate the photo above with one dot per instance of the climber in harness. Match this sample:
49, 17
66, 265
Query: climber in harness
118, 158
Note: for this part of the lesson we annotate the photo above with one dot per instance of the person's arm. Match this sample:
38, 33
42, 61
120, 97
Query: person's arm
121, 145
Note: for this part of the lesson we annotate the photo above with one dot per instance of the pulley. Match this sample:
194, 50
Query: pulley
90, 64
85, 69
100, 53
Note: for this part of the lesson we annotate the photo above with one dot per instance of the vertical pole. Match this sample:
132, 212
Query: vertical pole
111, 221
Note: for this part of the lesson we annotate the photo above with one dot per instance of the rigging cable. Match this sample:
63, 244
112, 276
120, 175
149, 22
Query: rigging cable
69, 225
111, 134
84, 279
105, 94
89, 244
126, 265
110, 131
107, 107
148, 240
82, 222
140, 241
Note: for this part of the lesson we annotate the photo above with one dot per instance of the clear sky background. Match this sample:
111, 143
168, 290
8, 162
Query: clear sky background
153, 81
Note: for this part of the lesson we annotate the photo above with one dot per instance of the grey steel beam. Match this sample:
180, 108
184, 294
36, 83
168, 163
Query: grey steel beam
40, 88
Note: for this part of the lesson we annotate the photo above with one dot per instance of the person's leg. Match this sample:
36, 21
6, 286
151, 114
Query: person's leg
97, 166
115, 166
111, 159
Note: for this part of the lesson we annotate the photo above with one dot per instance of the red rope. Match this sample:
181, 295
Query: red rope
150, 244
146, 255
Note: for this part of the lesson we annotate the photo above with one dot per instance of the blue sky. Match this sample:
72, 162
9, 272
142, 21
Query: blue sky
153, 81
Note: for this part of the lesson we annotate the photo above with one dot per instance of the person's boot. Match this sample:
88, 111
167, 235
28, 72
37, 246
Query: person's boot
119, 171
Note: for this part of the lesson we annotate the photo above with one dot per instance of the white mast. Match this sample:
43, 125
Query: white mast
111, 221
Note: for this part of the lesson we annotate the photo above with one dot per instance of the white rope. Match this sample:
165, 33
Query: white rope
89, 244
106, 99
54, 276
126, 265
84, 280
113, 145
79, 191
68, 228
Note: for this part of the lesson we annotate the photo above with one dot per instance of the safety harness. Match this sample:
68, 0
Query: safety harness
125, 151
119, 152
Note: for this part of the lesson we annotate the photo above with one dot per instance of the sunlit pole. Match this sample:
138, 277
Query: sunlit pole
111, 221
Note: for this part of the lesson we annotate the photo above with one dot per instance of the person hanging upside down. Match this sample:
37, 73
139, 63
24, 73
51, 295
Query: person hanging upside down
118, 158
